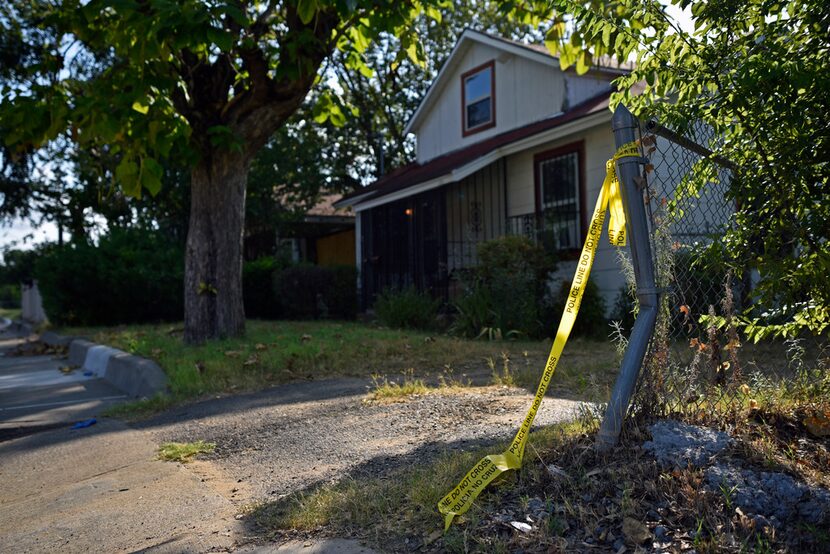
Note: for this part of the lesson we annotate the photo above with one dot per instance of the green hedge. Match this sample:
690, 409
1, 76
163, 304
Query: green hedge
315, 292
258, 287
131, 276
407, 309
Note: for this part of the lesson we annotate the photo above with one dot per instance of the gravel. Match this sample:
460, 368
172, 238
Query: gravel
776, 496
772, 498
294, 436
678, 444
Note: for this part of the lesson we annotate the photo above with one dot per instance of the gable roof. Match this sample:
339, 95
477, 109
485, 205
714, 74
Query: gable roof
459, 163
536, 52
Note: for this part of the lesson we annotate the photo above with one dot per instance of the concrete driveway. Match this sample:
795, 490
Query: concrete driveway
93, 489
35, 394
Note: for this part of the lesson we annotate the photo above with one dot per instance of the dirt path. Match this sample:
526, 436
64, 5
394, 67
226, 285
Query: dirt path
282, 440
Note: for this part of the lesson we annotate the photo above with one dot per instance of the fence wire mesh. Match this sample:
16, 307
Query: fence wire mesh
694, 367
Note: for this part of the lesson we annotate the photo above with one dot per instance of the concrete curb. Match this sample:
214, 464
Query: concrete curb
136, 376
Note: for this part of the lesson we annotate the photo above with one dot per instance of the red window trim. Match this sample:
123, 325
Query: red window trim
467, 132
579, 148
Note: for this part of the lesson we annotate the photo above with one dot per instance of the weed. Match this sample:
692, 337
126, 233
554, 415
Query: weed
383, 389
728, 493
504, 377
184, 451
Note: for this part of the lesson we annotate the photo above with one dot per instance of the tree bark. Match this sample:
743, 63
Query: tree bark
213, 259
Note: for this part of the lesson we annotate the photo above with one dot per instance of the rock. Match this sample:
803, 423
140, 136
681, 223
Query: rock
661, 533
634, 531
678, 444
775, 496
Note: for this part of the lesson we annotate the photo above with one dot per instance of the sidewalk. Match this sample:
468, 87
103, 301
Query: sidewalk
97, 488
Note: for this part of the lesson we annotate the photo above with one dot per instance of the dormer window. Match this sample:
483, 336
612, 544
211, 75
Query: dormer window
478, 98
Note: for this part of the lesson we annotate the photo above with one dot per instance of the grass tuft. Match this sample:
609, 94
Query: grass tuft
184, 452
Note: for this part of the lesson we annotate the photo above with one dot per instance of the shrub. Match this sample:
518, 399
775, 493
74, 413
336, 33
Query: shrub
10, 296
505, 291
313, 292
406, 308
590, 321
131, 276
258, 287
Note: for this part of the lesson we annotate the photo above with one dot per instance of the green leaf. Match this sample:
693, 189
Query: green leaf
220, 38
140, 108
583, 63
151, 172
306, 10
434, 13
126, 173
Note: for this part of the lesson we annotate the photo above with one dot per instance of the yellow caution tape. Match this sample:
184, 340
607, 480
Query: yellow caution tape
489, 467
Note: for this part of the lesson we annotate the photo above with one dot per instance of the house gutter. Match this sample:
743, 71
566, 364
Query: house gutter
463, 171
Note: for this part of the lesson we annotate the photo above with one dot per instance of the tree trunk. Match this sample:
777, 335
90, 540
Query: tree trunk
213, 262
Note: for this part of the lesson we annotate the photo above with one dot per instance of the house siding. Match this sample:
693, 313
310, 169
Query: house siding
526, 91
598, 144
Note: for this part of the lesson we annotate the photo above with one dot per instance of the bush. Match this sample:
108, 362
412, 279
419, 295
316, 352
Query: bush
505, 291
10, 296
258, 287
131, 276
406, 309
590, 321
313, 292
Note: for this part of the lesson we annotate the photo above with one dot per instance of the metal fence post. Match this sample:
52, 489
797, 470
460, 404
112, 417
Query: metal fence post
624, 125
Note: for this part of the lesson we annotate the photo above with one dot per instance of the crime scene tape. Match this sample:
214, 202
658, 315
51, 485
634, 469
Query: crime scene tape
459, 500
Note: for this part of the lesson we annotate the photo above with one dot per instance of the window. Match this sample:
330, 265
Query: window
559, 190
478, 98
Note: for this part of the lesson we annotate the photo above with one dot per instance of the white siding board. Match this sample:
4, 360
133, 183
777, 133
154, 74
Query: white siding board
521, 199
526, 91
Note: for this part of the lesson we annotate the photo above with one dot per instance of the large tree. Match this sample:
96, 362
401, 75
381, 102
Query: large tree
208, 82
757, 73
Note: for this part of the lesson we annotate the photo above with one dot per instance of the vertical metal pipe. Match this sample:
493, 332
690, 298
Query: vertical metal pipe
624, 126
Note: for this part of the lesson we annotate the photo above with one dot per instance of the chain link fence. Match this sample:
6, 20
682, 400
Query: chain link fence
698, 362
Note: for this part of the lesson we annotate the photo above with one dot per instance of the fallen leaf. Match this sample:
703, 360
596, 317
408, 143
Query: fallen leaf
233, 353
635, 532
260, 346
252, 360
305, 338
434, 536
818, 425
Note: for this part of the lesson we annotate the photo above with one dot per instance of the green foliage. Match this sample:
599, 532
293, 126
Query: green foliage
9, 296
504, 293
258, 287
314, 292
406, 309
130, 276
757, 74
590, 322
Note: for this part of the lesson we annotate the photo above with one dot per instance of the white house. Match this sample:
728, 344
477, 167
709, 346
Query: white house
507, 143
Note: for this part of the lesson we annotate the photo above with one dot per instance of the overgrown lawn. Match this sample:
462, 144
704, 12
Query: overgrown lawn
274, 352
